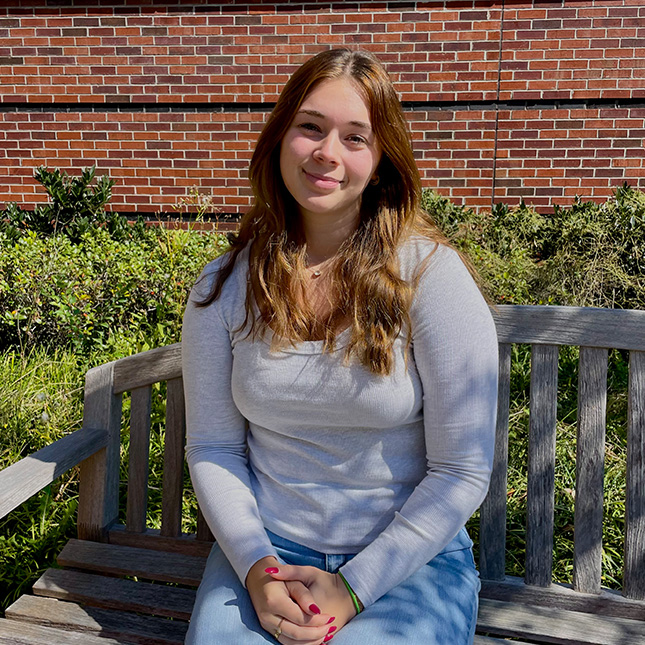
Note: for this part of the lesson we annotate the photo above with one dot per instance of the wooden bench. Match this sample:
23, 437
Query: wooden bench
130, 584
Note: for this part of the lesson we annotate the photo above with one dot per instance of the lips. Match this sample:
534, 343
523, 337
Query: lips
321, 180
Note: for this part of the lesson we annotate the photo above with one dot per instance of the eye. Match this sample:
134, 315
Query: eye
356, 139
311, 127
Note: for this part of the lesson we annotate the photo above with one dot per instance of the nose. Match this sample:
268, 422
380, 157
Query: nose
328, 149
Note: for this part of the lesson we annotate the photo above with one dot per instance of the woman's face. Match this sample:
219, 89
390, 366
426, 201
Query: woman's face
330, 153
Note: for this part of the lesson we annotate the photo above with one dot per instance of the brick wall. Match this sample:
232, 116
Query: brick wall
167, 96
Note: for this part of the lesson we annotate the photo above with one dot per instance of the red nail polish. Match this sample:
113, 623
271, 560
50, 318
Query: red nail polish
314, 608
331, 620
328, 638
271, 570
331, 629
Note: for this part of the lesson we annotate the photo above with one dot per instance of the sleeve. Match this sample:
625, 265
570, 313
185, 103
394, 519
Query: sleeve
216, 448
456, 355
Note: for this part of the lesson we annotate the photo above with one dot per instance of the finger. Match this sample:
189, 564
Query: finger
298, 635
297, 626
280, 605
290, 572
301, 595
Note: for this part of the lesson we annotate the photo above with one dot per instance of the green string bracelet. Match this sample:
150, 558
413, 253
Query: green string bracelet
358, 605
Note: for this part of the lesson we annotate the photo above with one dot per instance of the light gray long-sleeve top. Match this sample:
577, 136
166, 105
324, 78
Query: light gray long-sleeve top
328, 454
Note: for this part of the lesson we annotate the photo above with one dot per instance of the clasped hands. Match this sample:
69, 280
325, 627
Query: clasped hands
287, 600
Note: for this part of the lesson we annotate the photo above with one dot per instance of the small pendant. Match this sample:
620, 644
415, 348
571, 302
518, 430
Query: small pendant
315, 274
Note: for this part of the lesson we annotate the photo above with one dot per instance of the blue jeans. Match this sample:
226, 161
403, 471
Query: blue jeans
437, 605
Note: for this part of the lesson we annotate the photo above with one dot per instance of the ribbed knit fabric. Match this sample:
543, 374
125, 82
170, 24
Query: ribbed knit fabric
330, 455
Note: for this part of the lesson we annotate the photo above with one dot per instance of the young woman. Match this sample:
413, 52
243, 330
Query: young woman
340, 371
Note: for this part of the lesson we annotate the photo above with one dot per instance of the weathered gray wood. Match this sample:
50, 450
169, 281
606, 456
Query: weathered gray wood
116, 593
98, 504
634, 579
143, 630
590, 462
541, 468
607, 603
138, 459
161, 364
15, 632
553, 625
588, 326
492, 532
203, 530
130, 561
26, 477
173, 462
489, 640
152, 539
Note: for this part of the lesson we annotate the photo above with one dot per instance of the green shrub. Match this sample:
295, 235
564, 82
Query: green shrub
92, 293
76, 207
586, 255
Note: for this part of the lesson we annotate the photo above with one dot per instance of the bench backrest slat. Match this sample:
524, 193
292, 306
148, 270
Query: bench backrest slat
541, 466
173, 461
141, 405
161, 364
590, 461
634, 580
203, 530
492, 531
588, 326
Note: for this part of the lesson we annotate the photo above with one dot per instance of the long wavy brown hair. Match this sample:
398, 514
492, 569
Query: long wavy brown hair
368, 292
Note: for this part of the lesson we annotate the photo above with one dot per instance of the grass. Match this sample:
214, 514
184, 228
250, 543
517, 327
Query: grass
40, 401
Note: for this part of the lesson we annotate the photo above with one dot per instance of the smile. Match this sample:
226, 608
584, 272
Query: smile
321, 181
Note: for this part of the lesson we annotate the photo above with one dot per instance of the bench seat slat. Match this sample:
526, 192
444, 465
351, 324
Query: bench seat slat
186, 543
130, 561
492, 533
116, 593
143, 630
541, 467
590, 461
634, 580
607, 603
173, 461
489, 640
554, 625
15, 632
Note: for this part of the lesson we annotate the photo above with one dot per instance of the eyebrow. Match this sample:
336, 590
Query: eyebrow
320, 115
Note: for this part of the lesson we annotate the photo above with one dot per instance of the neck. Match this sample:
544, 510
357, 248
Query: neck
325, 234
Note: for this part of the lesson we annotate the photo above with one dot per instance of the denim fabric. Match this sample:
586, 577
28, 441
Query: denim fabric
437, 605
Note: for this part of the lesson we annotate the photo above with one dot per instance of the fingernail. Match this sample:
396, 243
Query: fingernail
271, 570
331, 629
328, 638
314, 608
331, 620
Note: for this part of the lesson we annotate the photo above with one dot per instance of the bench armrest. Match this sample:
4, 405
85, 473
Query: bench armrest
28, 476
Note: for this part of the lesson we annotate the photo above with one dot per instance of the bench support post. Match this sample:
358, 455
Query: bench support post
98, 506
